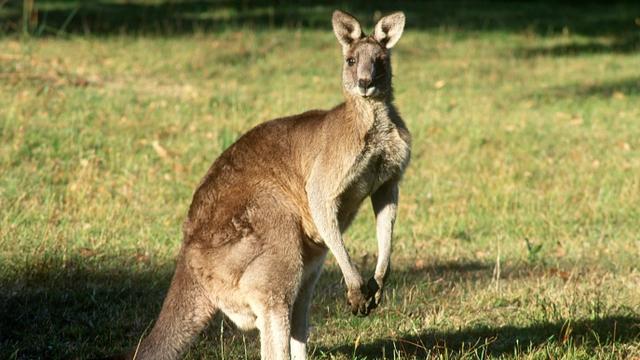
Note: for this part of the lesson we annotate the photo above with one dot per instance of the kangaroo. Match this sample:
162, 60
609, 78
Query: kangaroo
276, 201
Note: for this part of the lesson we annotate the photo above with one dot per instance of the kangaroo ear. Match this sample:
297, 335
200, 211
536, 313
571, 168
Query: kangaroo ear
346, 28
389, 29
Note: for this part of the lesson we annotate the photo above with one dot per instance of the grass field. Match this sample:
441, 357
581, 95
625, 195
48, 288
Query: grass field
518, 234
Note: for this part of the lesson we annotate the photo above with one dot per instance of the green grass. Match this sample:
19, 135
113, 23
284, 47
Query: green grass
519, 225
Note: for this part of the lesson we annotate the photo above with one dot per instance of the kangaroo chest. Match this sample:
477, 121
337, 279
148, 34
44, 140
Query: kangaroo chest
384, 156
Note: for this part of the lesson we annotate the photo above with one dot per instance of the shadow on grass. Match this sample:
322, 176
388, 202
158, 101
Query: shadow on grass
502, 340
79, 307
608, 89
63, 308
179, 17
625, 44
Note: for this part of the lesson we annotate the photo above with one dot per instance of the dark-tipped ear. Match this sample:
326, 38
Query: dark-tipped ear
346, 28
389, 29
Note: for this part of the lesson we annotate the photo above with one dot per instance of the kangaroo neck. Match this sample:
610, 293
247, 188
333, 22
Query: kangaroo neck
367, 112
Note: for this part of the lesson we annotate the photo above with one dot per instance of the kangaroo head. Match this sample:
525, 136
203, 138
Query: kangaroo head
366, 71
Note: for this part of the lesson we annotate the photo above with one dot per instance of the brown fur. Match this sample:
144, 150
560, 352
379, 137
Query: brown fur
271, 206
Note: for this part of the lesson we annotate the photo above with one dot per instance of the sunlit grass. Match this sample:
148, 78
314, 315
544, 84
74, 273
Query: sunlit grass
518, 228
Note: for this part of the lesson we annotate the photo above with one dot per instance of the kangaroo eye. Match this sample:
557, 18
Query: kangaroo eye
351, 61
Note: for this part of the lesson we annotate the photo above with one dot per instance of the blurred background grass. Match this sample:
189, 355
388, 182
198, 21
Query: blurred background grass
518, 233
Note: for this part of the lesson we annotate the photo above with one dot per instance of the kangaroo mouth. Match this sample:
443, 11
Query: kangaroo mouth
368, 92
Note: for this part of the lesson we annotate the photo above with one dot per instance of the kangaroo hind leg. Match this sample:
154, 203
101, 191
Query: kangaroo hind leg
300, 313
274, 325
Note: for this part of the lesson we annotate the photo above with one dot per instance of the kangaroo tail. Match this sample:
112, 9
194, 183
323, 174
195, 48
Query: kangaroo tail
185, 312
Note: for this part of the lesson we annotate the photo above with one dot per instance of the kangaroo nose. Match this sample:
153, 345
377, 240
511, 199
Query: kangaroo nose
364, 83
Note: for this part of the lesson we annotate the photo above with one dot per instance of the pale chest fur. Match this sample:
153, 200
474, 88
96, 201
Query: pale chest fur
384, 156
